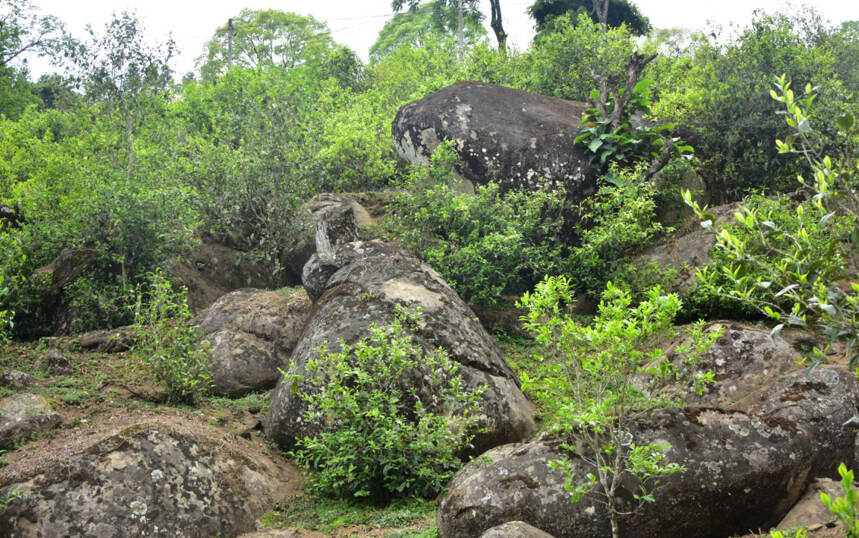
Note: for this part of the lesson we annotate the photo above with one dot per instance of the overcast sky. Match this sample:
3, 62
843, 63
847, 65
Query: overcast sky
357, 22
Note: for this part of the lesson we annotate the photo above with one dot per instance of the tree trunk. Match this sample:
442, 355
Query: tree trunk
497, 26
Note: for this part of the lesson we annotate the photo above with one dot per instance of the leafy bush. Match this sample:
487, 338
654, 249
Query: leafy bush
483, 244
792, 261
622, 136
615, 223
568, 55
592, 376
720, 89
845, 508
167, 342
394, 418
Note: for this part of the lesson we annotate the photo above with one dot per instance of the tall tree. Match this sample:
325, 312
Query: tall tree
468, 7
618, 12
125, 75
23, 33
256, 38
415, 25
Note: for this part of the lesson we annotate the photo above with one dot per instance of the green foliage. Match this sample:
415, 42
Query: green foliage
790, 260
620, 12
395, 418
845, 508
615, 223
24, 32
411, 28
720, 88
612, 135
266, 37
167, 341
484, 244
567, 56
594, 371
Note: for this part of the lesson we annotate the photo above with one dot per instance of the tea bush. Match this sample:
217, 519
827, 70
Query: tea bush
395, 419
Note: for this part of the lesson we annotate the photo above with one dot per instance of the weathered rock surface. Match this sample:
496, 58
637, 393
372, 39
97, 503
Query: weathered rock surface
150, 477
520, 139
109, 341
809, 511
327, 221
515, 529
687, 249
360, 284
67, 266
58, 363
252, 334
16, 380
746, 363
820, 404
743, 472
211, 270
24, 415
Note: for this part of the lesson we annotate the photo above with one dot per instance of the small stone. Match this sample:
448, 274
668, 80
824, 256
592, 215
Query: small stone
16, 380
58, 362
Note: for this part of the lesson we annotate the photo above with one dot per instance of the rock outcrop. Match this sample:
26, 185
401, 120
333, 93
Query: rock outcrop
360, 284
251, 334
742, 472
819, 403
515, 529
687, 249
522, 140
212, 270
23, 416
326, 222
148, 477
745, 362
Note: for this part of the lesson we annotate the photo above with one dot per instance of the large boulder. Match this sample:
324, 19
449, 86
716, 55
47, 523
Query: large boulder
325, 222
251, 334
154, 476
822, 404
742, 472
211, 270
520, 139
746, 362
67, 266
687, 249
23, 416
360, 284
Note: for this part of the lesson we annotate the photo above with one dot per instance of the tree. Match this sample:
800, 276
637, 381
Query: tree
256, 38
124, 73
594, 382
619, 12
23, 32
468, 7
415, 25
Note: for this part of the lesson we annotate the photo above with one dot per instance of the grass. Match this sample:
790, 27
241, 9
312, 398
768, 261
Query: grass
327, 515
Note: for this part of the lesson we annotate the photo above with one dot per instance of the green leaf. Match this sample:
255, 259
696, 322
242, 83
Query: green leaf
594, 145
845, 122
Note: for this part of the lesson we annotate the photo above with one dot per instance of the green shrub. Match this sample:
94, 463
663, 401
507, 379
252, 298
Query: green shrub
567, 56
395, 419
593, 371
720, 89
845, 508
791, 260
615, 223
167, 342
485, 244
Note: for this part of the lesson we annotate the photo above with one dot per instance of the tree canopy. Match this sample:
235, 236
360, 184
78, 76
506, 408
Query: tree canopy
412, 27
619, 12
256, 38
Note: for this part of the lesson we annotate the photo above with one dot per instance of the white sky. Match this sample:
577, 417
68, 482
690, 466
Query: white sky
356, 23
